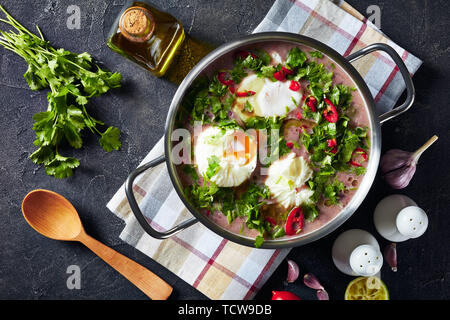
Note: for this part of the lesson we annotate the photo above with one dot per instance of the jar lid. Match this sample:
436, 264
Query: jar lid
137, 24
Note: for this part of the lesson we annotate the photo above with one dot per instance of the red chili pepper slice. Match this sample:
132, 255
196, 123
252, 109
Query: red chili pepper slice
287, 71
330, 113
232, 89
279, 75
270, 220
290, 144
294, 86
311, 102
332, 143
284, 295
224, 79
362, 153
355, 164
245, 93
298, 115
294, 222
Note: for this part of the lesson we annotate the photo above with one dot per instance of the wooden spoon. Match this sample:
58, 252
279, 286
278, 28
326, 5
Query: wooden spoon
54, 216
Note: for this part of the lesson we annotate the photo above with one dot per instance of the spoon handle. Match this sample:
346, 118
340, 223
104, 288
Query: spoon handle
148, 282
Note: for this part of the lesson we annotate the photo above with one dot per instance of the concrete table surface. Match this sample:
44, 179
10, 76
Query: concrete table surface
33, 267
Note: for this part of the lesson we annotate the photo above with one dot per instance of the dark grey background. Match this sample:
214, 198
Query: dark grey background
33, 267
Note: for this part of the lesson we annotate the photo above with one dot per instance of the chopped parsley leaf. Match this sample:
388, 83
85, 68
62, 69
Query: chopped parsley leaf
248, 106
295, 58
213, 166
316, 54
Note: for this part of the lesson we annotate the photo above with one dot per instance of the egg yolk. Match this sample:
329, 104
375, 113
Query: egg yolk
240, 147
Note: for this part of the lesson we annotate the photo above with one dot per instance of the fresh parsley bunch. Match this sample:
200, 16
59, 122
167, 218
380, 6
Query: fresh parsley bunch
73, 79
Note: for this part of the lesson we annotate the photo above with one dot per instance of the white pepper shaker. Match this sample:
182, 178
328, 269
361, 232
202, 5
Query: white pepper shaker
397, 218
357, 253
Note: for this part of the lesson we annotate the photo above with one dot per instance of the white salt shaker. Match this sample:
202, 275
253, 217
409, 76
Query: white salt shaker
357, 253
397, 218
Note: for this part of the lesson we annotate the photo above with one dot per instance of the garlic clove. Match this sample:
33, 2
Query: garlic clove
293, 271
322, 294
312, 282
390, 255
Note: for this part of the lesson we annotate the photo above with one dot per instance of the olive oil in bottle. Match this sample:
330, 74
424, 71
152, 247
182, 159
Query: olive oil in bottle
146, 36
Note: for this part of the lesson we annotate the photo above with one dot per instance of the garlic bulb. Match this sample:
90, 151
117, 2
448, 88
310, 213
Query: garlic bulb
399, 166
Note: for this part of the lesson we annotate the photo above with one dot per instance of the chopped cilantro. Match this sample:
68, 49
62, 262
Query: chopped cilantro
222, 199
259, 241
238, 73
216, 88
263, 56
267, 72
278, 232
248, 106
316, 54
73, 79
295, 58
310, 212
213, 166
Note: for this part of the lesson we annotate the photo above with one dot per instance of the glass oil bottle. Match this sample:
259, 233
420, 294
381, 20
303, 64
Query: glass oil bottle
155, 40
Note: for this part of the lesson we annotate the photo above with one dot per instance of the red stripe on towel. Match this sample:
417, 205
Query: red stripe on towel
341, 31
203, 256
355, 40
389, 79
255, 287
139, 190
210, 263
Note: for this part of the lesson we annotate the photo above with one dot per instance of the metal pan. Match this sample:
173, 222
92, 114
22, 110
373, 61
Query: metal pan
375, 135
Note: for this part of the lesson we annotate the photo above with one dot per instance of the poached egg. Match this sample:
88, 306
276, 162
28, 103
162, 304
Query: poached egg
270, 98
286, 181
229, 154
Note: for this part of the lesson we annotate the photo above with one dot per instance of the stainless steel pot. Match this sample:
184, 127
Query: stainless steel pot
375, 134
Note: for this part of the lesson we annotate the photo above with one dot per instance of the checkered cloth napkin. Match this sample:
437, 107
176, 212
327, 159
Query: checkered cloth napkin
218, 268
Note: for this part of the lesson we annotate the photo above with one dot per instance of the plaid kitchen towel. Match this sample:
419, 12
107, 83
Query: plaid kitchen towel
218, 268
344, 29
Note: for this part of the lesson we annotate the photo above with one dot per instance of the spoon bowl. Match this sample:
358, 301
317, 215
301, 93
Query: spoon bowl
53, 216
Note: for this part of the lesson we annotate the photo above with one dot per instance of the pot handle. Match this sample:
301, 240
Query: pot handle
410, 91
137, 211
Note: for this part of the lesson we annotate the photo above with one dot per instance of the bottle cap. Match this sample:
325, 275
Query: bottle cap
366, 260
137, 24
412, 222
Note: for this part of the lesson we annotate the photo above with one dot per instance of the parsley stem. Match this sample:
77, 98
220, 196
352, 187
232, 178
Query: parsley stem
13, 22
90, 122
40, 33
